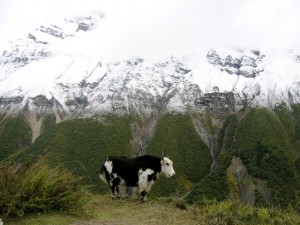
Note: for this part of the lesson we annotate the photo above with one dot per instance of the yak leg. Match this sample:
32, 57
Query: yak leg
146, 180
143, 186
143, 196
115, 188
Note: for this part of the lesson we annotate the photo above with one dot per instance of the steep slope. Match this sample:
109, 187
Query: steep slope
255, 162
56, 64
81, 146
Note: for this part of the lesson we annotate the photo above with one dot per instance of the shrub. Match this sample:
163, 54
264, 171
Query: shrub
38, 188
228, 212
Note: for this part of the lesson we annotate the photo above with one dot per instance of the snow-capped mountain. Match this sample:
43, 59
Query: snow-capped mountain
54, 70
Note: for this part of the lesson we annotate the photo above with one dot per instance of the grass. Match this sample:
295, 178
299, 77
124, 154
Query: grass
165, 211
46, 219
124, 211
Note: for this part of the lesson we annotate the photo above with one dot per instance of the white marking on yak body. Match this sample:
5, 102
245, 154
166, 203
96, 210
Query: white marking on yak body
144, 183
108, 166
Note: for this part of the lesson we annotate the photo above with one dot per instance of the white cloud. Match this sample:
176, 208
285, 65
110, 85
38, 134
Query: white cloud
157, 27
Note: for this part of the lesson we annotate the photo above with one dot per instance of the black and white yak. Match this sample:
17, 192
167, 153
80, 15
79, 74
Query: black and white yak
139, 172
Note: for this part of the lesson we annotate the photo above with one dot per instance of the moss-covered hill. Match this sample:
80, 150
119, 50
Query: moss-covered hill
266, 142
14, 136
82, 145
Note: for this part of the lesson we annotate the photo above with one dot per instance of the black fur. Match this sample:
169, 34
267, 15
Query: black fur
128, 171
128, 168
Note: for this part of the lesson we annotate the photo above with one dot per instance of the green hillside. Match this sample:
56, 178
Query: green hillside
176, 137
14, 136
82, 146
267, 142
263, 144
264, 141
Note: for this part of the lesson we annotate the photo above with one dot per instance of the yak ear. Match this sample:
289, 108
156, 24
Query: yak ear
164, 155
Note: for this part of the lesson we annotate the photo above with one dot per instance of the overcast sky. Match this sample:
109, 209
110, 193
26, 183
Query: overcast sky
145, 27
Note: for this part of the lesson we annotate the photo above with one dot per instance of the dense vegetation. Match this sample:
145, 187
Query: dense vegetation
14, 136
267, 142
37, 188
176, 137
212, 186
82, 145
261, 141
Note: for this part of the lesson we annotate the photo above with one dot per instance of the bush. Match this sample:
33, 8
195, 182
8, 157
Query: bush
228, 212
38, 188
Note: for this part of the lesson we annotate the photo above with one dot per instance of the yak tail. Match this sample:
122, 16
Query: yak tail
102, 175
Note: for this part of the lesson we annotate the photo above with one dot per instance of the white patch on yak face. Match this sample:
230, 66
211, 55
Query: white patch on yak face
167, 167
108, 165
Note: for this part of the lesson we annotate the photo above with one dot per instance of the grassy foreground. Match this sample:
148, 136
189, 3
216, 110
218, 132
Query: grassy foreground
163, 211
131, 211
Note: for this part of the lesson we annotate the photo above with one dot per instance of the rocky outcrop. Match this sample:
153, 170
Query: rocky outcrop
213, 58
22, 53
243, 65
220, 104
53, 31
243, 187
10, 105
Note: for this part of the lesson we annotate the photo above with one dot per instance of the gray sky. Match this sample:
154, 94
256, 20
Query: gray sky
137, 27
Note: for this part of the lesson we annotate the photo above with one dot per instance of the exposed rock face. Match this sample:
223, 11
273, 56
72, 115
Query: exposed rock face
8, 104
219, 104
213, 58
53, 31
18, 56
243, 186
243, 65
36, 76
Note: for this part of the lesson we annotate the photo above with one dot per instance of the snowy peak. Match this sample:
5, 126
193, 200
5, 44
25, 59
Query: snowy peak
40, 43
52, 70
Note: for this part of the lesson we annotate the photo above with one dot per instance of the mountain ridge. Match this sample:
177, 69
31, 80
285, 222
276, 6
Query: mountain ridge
78, 82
